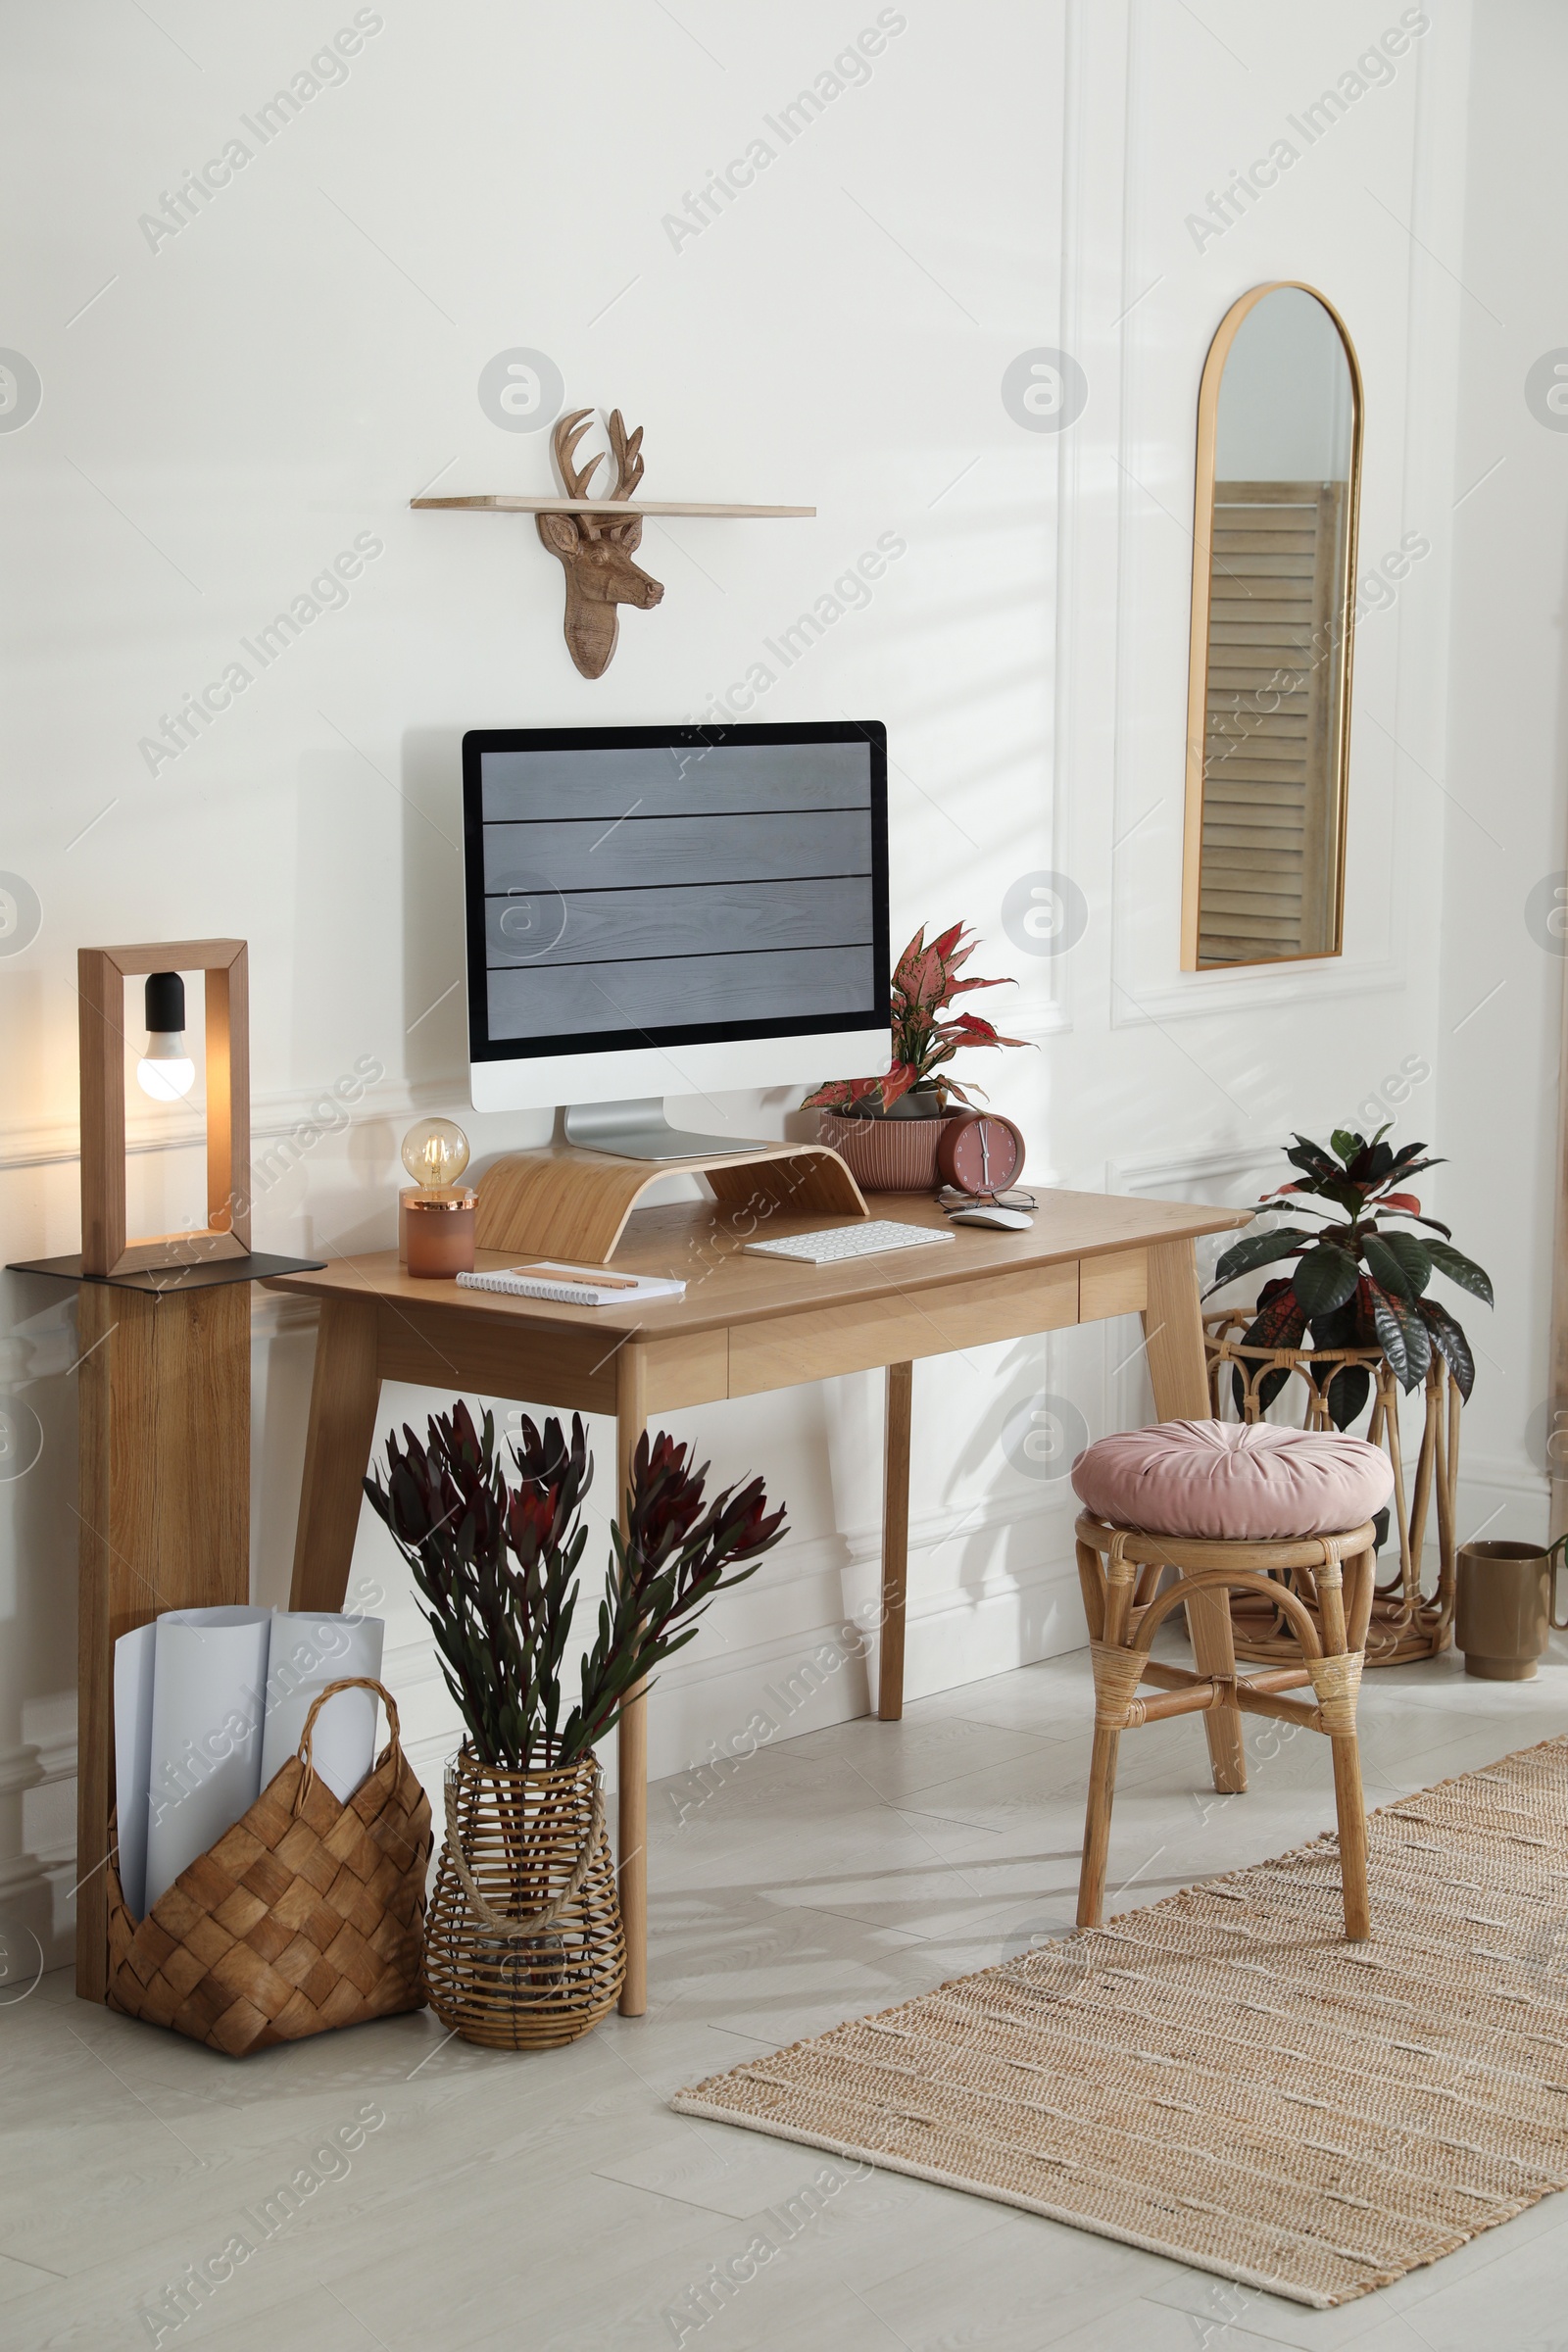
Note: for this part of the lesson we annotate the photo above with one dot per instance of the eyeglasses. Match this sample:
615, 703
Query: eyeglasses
952, 1200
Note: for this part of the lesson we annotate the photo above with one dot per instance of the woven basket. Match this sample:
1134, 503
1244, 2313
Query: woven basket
524, 1950
306, 1914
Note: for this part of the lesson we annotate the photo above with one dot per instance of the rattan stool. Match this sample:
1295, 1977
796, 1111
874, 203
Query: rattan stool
1119, 1569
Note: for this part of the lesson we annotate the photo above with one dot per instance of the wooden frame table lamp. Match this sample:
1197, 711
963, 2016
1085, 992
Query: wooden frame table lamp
101, 974
164, 1341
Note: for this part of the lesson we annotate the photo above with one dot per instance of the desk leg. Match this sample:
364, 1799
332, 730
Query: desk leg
631, 1418
894, 1543
1173, 1337
344, 1396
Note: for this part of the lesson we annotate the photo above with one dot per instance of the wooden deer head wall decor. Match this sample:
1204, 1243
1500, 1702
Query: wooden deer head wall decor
595, 537
595, 550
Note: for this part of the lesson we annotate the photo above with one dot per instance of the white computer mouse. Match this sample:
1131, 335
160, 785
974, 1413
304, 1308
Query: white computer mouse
989, 1212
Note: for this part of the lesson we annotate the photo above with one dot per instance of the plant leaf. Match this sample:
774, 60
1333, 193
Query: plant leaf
1401, 1175
1313, 1159
1347, 1393
1258, 1250
1404, 1160
1390, 1337
1325, 1279
1339, 1326
1413, 1256
1387, 1268
1451, 1344
1371, 1165
1403, 1338
1386, 1208
1279, 1323
1462, 1269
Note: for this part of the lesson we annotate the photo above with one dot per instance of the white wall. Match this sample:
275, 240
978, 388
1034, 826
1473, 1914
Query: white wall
223, 415
1500, 923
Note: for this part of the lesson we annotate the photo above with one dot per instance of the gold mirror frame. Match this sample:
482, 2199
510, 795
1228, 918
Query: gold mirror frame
1199, 649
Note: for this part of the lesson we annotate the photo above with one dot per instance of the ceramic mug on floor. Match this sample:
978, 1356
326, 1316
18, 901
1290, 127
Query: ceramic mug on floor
1504, 1606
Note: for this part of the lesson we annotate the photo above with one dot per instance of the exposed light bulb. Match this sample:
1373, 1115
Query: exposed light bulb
166, 1071
435, 1154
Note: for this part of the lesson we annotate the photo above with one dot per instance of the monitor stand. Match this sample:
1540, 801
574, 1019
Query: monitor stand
639, 1130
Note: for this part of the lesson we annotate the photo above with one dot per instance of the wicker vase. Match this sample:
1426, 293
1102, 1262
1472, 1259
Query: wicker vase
887, 1154
524, 1947
1407, 1623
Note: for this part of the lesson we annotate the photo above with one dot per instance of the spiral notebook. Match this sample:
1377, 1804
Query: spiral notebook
575, 1286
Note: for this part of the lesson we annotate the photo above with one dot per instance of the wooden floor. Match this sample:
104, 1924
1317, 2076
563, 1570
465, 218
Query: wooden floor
553, 2202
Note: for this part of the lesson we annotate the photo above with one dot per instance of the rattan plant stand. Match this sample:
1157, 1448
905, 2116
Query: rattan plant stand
523, 1948
1406, 1622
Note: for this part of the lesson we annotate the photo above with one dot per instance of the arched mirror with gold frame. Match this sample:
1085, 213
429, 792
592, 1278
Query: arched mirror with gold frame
1268, 712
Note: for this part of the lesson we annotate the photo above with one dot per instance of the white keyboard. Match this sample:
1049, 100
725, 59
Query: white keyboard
870, 1239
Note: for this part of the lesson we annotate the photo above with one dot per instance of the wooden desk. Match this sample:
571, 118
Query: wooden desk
745, 1325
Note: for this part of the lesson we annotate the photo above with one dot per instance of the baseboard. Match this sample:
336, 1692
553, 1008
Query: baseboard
37, 1918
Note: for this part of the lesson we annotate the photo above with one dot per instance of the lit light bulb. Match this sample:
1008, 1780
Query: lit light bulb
435, 1154
166, 1071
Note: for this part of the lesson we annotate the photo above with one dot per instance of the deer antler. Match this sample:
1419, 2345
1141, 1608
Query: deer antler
628, 455
563, 441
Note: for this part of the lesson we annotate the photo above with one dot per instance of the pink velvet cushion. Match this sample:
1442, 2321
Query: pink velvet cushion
1231, 1479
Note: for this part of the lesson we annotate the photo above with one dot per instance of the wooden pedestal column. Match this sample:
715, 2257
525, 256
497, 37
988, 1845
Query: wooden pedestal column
165, 1506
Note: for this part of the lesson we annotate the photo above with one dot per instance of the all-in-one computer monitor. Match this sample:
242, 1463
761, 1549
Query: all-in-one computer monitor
673, 911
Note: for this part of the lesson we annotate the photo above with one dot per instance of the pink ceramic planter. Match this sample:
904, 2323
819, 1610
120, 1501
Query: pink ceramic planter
886, 1156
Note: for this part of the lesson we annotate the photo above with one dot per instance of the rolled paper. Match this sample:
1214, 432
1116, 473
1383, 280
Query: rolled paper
307, 1650
134, 1656
205, 1761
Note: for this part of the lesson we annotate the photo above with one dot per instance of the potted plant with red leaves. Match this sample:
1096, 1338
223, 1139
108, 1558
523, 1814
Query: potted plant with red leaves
524, 1947
888, 1128
1353, 1320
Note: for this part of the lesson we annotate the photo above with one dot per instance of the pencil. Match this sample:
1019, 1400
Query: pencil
587, 1282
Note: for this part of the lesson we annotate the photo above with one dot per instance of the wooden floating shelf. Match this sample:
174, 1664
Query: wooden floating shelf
501, 503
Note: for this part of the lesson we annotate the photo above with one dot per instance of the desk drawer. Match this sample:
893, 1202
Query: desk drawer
1113, 1285
687, 1368
819, 1342
445, 1348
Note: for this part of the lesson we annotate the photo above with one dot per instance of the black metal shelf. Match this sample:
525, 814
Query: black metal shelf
205, 1275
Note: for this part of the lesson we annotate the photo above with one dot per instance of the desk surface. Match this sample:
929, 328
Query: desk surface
704, 1246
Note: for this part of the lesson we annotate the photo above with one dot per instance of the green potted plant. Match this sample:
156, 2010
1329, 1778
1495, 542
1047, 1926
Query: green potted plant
1352, 1322
888, 1128
1356, 1284
524, 1947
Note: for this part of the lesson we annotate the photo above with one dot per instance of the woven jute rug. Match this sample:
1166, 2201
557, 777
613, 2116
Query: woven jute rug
1223, 2078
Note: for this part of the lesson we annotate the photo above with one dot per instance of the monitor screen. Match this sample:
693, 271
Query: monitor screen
636, 887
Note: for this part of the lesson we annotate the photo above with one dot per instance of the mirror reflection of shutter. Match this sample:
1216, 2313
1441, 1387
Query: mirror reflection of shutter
1270, 825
